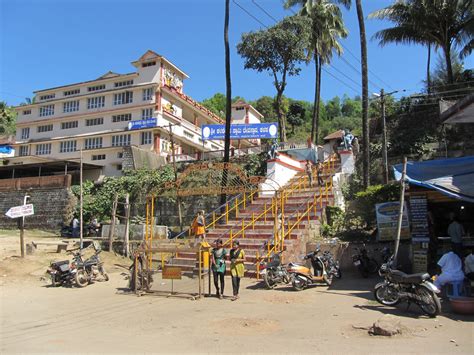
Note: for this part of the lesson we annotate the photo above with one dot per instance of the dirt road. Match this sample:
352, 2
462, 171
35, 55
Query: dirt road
102, 319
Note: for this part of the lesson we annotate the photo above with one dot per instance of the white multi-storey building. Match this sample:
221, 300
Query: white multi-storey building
101, 116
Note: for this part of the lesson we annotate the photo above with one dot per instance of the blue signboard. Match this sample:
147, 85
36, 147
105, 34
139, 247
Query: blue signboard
139, 124
240, 131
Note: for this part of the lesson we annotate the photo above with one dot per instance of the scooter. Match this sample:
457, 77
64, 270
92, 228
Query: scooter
302, 276
274, 272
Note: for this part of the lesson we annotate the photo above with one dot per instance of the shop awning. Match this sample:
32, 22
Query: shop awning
453, 177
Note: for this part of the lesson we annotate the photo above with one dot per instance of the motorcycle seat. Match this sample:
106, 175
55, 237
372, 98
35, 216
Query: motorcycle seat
62, 262
410, 278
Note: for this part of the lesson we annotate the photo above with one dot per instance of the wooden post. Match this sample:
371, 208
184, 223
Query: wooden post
400, 211
126, 245
112, 223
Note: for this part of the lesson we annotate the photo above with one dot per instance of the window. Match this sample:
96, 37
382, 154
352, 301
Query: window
119, 167
69, 125
122, 98
122, 118
45, 128
147, 94
239, 108
25, 133
71, 106
120, 155
71, 92
24, 150
98, 157
147, 113
47, 97
43, 149
94, 121
189, 135
96, 88
121, 84
93, 143
146, 137
67, 147
96, 102
27, 112
47, 110
121, 140
149, 64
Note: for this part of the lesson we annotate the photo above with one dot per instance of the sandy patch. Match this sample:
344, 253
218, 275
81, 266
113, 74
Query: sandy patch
245, 326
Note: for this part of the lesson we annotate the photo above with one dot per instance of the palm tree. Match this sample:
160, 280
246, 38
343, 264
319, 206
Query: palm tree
307, 5
445, 24
228, 103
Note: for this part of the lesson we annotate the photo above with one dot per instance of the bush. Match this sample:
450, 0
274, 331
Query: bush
366, 200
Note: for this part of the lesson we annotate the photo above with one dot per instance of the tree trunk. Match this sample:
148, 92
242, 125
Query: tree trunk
228, 103
281, 117
318, 100
449, 65
428, 77
365, 94
313, 121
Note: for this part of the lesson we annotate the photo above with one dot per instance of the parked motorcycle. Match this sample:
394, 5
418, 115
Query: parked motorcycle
274, 273
416, 288
302, 276
63, 272
366, 264
332, 265
91, 269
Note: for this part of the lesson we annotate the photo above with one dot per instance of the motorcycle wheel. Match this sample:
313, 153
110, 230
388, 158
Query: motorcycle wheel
328, 279
53, 281
372, 266
338, 273
298, 284
387, 295
81, 278
268, 278
104, 273
432, 306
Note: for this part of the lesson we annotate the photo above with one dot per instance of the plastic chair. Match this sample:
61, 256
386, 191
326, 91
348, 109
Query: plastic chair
456, 288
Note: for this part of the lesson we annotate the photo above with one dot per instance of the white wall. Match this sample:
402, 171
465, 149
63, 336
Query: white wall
279, 172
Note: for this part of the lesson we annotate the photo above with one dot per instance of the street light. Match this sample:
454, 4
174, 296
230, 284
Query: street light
382, 96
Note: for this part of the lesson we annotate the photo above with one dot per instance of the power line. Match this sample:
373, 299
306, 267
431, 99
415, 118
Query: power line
264, 11
248, 13
341, 81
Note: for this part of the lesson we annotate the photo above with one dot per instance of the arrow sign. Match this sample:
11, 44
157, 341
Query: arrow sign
20, 211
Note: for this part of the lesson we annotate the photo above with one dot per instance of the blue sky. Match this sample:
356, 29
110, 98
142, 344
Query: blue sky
48, 43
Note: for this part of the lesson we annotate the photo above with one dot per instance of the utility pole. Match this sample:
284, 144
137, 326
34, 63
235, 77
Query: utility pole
400, 211
178, 199
81, 221
384, 138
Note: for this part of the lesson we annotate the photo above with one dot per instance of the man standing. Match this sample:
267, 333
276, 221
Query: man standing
319, 168
75, 228
237, 268
309, 171
455, 232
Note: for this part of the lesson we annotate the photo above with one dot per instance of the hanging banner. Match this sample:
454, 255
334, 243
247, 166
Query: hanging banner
240, 131
387, 220
139, 124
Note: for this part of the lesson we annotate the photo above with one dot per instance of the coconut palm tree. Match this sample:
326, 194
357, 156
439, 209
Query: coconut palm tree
445, 24
307, 5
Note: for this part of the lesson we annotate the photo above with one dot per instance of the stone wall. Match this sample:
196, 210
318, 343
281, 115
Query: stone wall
52, 207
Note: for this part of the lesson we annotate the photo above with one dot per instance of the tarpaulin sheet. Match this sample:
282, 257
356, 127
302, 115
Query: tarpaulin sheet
453, 177
5, 149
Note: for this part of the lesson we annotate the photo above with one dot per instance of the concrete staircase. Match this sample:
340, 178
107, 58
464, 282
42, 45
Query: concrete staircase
298, 196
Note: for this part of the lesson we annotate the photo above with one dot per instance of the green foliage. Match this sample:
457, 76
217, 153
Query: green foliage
98, 198
7, 119
366, 200
296, 115
336, 222
216, 104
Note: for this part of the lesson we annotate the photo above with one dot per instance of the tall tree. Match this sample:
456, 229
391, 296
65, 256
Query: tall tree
445, 24
365, 95
278, 50
7, 119
326, 29
228, 102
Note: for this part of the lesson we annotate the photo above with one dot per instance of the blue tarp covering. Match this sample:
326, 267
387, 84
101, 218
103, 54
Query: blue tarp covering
6, 149
453, 177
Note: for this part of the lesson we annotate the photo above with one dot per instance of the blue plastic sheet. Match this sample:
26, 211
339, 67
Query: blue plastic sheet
453, 177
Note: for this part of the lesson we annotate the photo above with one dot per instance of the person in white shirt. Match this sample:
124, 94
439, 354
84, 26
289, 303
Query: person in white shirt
469, 266
451, 269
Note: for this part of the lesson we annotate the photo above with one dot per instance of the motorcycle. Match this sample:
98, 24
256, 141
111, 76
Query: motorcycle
415, 288
302, 276
63, 272
91, 269
274, 273
366, 265
332, 265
